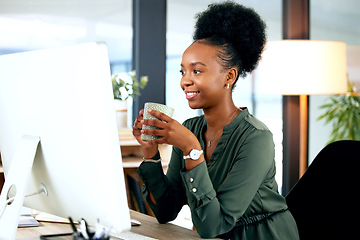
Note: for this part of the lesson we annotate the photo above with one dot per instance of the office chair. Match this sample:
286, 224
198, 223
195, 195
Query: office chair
135, 192
325, 200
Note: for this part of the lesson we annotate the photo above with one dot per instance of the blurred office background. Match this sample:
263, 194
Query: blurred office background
35, 24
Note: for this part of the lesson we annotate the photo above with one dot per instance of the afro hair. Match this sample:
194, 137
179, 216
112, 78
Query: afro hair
238, 29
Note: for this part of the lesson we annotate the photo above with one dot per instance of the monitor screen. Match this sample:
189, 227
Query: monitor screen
64, 97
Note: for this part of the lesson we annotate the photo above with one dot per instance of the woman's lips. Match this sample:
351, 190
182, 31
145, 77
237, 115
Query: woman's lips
191, 94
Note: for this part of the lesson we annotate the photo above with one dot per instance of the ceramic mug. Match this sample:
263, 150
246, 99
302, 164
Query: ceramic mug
158, 107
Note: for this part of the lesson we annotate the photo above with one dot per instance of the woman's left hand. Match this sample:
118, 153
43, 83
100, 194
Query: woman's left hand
171, 132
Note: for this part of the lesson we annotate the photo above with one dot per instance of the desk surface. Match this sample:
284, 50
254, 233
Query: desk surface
149, 227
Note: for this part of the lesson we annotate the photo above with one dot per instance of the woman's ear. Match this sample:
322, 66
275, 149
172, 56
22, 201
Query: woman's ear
231, 76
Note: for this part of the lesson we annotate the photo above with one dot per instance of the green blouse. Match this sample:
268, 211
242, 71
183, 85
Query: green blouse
234, 195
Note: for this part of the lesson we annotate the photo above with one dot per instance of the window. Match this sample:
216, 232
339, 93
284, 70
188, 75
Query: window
339, 21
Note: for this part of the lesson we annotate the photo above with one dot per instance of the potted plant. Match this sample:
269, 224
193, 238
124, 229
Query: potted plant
344, 113
125, 86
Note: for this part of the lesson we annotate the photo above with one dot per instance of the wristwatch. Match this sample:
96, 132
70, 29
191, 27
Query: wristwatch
194, 154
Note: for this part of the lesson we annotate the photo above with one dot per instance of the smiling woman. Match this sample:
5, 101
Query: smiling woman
222, 164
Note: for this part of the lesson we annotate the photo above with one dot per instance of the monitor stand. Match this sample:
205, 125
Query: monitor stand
16, 183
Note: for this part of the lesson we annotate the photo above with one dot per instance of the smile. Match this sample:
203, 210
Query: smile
191, 95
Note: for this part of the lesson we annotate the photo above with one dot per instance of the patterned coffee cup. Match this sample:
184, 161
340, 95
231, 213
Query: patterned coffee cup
158, 107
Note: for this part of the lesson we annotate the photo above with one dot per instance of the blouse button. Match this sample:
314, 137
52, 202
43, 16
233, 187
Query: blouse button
191, 179
194, 190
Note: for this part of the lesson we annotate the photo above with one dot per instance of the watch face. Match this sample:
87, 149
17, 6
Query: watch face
195, 154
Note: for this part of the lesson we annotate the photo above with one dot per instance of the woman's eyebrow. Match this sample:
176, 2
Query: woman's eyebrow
194, 63
198, 63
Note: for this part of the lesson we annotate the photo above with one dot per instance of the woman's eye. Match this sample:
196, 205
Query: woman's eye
197, 71
182, 72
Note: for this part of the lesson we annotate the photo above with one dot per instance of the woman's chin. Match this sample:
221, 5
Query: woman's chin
199, 104
193, 105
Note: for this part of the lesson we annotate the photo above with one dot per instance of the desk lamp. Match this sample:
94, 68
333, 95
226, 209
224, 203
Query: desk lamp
303, 67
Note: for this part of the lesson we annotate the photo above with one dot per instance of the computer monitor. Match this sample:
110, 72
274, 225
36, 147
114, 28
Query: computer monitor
57, 105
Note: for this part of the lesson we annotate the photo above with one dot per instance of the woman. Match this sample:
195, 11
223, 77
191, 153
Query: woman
222, 163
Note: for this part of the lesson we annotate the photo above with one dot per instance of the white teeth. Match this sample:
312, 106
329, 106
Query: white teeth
190, 95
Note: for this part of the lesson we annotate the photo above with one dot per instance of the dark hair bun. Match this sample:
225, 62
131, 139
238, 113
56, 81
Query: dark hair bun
238, 26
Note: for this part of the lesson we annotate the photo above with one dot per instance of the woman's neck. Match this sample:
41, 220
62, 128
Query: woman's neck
218, 117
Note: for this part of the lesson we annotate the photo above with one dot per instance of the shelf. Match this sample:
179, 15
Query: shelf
129, 143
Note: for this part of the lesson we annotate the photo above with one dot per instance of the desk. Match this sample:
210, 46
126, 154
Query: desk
149, 227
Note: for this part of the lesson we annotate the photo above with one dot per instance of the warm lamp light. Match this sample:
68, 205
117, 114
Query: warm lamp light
303, 67
296, 67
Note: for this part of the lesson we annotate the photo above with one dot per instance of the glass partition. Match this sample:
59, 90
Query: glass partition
339, 21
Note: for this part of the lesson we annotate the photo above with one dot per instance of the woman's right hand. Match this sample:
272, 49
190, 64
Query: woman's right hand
149, 148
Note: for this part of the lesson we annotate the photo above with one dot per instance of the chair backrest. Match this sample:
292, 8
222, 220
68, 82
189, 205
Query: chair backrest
325, 200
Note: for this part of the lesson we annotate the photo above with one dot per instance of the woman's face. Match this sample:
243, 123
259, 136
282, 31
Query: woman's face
203, 78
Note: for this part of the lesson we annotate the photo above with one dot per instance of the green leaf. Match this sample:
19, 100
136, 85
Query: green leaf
132, 88
344, 113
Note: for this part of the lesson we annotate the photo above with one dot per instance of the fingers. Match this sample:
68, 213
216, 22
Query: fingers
156, 141
136, 128
137, 124
150, 148
160, 115
154, 123
160, 123
155, 132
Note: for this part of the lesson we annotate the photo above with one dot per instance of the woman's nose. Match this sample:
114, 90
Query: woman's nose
185, 81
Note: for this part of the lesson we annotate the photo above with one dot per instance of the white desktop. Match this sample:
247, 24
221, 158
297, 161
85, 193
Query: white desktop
57, 105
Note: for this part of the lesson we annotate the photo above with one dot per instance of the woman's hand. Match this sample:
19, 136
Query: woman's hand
171, 132
149, 148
